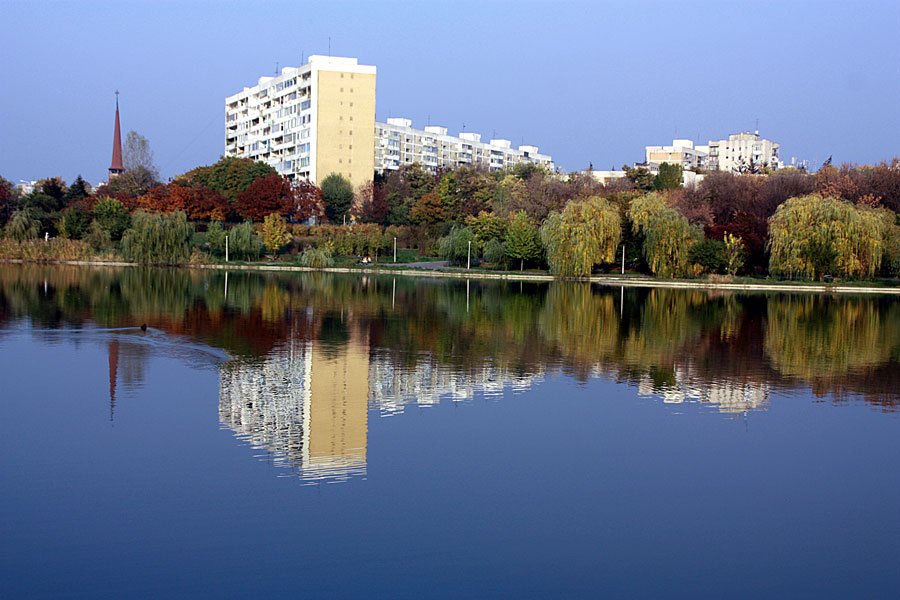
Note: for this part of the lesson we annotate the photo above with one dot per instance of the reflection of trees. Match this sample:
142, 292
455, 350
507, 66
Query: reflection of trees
820, 337
663, 338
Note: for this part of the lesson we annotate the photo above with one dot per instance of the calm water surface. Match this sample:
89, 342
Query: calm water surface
308, 435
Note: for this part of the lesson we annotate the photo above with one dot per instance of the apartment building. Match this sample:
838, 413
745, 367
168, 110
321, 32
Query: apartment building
736, 154
681, 152
741, 151
308, 121
398, 143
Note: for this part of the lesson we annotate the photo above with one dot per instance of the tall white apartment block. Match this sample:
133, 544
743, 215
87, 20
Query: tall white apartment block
308, 121
741, 151
397, 143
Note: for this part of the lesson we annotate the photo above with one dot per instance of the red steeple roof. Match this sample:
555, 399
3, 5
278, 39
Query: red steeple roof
116, 167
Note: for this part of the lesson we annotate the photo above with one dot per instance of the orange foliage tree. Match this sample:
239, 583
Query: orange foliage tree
199, 203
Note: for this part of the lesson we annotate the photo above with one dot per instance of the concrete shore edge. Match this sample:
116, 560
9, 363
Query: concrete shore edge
610, 280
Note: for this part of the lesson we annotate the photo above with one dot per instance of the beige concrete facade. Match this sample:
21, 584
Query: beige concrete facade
345, 132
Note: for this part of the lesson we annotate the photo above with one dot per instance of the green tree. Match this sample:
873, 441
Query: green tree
158, 239
709, 255
275, 233
668, 178
494, 251
337, 195
812, 236
486, 226
668, 236
454, 247
74, 222
22, 226
215, 237
230, 175
112, 216
641, 177
522, 239
242, 242
77, 191
97, 237
585, 233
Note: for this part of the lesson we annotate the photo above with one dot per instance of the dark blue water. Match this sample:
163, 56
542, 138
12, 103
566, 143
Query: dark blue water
347, 461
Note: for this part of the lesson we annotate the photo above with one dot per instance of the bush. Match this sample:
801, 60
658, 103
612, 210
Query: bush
316, 257
74, 223
215, 237
710, 255
158, 239
97, 237
113, 216
56, 249
22, 226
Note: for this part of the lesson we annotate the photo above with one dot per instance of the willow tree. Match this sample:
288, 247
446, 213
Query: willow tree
668, 236
811, 236
585, 233
158, 239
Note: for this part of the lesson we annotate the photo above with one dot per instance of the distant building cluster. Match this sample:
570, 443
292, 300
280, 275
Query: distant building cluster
397, 144
318, 119
742, 151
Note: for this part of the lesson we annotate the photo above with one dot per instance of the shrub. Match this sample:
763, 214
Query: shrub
74, 223
113, 216
97, 237
242, 243
22, 226
215, 237
710, 255
316, 257
454, 247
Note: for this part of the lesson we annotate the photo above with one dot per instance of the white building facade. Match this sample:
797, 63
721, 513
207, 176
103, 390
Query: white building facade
397, 144
741, 152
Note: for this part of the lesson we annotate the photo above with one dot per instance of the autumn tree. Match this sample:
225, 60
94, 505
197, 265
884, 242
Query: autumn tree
275, 233
522, 239
487, 226
277, 194
369, 205
465, 191
427, 210
402, 188
585, 233
337, 196
198, 203
141, 173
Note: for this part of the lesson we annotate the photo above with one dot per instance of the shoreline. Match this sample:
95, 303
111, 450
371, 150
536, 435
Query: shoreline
608, 280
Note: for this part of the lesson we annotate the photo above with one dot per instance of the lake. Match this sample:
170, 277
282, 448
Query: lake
190, 433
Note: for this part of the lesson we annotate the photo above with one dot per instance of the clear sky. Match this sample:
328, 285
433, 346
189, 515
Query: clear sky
585, 81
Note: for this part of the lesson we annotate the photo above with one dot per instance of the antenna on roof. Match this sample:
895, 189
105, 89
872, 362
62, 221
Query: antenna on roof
429, 120
276, 68
329, 45
494, 135
464, 127
302, 59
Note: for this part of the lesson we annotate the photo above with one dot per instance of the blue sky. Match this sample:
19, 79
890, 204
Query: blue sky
587, 82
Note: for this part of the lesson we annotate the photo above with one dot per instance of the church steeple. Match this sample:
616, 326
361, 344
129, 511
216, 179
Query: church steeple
116, 168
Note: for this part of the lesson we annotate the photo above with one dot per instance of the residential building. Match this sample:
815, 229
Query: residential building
742, 152
681, 152
397, 143
308, 121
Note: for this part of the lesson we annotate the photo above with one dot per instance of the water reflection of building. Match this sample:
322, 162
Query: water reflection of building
727, 395
427, 382
305, 407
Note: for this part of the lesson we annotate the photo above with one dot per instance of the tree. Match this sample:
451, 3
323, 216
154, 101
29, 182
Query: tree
454, 247
710, 255
509, 195
22, 226
215, 237
522, 239
585, 233
112, 216
136, 154
668, 178
486, 226
813, 236
668, 236
7, 201
337, 195
734, 253
640, 177
275, 233
369, 205
158, 239
77, 191
230, 175
199, 203
276, 194
243, 243
427, 210
465, 191
74, 223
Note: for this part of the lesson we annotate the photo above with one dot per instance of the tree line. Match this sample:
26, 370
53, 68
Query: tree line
841, 221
